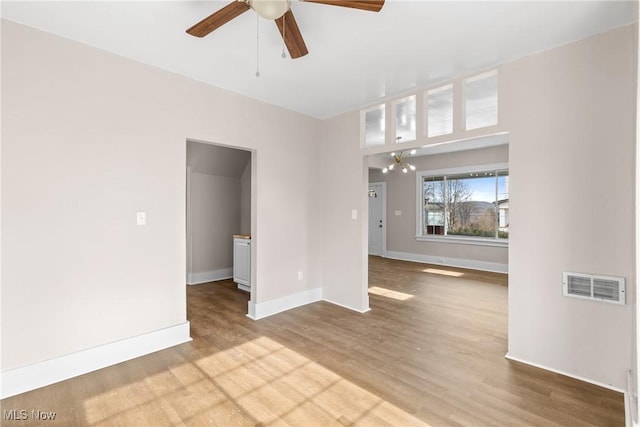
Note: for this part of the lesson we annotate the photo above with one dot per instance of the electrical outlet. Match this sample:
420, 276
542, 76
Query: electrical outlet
299, 275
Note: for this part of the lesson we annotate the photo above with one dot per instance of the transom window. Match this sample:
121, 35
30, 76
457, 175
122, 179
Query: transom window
481, 100
373, 123
439, 103
467, 204
405, 115
463, 105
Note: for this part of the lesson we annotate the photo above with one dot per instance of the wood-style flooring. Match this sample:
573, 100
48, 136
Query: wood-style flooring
430, 352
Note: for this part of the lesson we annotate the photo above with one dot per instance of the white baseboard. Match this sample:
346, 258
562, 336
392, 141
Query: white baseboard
61, 368
209, 276
566, 374
630, 402
346, 306
269, 308
451, 262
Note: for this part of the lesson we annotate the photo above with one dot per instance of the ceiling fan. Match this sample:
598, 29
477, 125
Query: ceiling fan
278, 11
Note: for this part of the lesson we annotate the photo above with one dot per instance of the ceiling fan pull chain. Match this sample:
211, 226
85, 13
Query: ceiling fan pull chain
284, 33
257, 45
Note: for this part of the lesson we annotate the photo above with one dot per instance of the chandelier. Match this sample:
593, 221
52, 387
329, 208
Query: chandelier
399, 162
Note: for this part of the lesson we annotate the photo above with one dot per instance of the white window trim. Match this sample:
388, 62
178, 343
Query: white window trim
477, 241
480, 241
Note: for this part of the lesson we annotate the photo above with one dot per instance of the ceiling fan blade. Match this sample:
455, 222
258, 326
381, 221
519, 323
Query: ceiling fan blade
218, 18
370, 5
291, 35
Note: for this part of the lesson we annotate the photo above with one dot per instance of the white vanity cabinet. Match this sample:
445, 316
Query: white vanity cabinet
242, 261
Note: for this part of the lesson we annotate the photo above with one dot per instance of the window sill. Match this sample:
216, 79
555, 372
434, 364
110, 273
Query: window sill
478, 241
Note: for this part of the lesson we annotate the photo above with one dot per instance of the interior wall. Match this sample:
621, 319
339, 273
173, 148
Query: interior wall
632, 388
571, 113
215, 216
89, 139
344, 238
401, 199
245, 200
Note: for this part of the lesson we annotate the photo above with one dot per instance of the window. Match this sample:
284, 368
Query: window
465, 204
481, 100
473, 100
440, 111
374, 126
405, 111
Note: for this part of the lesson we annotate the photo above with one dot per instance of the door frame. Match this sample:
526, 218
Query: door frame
253, 215
383, 198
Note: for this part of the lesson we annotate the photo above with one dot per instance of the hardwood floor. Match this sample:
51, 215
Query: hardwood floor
430, 352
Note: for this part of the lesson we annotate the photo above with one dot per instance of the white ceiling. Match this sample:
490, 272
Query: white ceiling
355, 57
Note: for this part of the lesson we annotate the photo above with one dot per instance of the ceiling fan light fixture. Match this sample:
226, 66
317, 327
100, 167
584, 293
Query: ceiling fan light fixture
270, 9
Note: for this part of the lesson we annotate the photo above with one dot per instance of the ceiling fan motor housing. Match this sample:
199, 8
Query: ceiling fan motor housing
270, 9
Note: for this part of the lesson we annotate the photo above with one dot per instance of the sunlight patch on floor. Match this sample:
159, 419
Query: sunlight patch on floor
256, 382
401, 296
275, 384
443, 272
132, 404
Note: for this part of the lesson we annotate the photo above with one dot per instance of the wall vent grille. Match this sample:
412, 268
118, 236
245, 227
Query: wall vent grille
589, 286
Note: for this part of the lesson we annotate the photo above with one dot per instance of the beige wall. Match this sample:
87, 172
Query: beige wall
571, 114
401, 196
215, 216
245, 200
343, 190
88, 139
635, 297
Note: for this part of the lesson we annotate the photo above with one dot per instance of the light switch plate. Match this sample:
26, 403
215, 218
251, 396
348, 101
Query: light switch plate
354, 214
398, 213
141, 218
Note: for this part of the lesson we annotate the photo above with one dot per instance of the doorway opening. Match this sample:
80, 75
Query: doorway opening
219, 198
377, 218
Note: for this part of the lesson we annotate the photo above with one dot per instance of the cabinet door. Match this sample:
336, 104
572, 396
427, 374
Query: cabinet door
242, 261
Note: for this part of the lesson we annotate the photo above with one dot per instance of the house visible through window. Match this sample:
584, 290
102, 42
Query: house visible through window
466, 204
